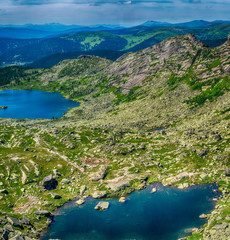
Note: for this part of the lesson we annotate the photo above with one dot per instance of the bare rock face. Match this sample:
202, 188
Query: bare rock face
49, 182
117, 186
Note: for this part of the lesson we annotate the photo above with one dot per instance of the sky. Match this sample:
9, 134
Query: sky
118, 12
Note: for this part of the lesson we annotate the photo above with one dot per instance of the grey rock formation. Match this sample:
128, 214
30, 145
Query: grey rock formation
49, 182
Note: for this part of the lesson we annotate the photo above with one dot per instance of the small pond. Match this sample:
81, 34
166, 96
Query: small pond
164, 215
33, 104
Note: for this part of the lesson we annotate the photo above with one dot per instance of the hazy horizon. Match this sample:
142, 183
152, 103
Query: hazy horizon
105, 24
117, 12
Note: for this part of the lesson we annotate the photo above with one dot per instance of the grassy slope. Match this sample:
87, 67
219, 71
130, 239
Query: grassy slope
178, 84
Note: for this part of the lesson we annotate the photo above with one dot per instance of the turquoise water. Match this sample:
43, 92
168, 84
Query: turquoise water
33, 104
163, 215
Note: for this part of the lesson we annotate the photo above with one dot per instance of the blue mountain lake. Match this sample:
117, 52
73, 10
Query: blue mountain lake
33, 104
163, 215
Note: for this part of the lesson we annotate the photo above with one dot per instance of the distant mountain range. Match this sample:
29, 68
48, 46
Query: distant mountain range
20, 45
191, 24
30, 31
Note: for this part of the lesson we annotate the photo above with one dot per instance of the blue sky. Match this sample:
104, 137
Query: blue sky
123, 12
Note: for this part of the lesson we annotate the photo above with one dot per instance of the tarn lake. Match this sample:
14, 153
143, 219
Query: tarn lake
166, 214
33, 104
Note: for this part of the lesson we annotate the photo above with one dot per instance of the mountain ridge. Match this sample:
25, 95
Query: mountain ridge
157, 115
133, 39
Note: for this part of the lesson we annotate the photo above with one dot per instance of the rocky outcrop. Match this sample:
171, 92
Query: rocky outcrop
118, 185
80, 201
122, 199
102, 206
25, 220
98, 194
43, 213
49, 182
15, 222
55, 196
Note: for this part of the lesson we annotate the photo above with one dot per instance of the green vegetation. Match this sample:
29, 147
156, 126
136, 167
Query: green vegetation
142, 119
216, 89
131, 39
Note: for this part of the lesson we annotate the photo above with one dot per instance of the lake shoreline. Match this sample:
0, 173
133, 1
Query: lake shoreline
157, 185
38, 104
150, 185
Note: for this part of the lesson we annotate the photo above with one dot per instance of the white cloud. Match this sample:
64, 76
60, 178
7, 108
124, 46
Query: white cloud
128, 12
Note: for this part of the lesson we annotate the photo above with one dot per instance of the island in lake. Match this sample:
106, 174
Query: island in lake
3, 107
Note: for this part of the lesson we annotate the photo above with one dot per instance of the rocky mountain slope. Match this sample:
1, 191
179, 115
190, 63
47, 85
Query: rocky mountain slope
160, 114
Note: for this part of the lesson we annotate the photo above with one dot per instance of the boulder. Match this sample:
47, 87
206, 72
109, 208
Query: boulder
24, 177
25, 220
56, 173
122, 199
49, 182
102, 206
98, 194
80, 201
43, 213
183, 185
96, 176
65, 181
15, 222
55, 196
8, 228
203, 152
203, 215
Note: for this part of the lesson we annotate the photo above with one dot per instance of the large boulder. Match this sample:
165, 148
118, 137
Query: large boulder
43, 213
15, 222
98, 194
49, 182
55, 196
102, 206
25, 220
227, 173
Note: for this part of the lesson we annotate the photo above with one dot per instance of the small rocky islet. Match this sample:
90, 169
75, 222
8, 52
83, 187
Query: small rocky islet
109, 145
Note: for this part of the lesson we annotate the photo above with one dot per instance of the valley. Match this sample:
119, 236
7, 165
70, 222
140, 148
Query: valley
16, 51
157, 115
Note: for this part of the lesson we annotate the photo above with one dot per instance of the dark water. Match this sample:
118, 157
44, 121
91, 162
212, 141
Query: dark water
33, 104
163, 215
